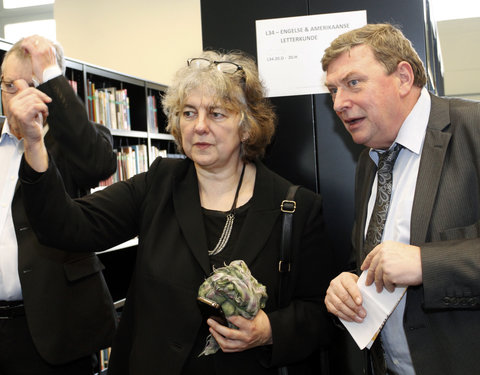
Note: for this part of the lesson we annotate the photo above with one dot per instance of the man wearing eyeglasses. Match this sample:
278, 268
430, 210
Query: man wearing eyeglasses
55, 308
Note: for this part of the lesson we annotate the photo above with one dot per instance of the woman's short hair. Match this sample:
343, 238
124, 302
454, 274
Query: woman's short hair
241, 92
389, 45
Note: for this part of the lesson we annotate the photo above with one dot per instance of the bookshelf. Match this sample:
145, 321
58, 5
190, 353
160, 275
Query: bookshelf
146, 121
131, 108
142, 133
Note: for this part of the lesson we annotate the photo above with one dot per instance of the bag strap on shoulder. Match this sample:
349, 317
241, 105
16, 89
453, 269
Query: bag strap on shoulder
288, 208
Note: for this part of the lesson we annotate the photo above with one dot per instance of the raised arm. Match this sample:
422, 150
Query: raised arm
82, 150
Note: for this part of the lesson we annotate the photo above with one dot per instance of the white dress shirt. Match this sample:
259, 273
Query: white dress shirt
11, 151
397, 226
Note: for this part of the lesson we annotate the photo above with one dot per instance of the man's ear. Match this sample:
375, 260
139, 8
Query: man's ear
406, 77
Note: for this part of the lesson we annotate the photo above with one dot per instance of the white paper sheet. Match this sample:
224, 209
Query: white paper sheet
379, 306
290, 50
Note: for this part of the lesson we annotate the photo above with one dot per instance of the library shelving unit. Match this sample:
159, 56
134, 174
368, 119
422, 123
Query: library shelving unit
131, 108
132, 111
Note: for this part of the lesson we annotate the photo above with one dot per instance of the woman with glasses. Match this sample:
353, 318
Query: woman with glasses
217, 205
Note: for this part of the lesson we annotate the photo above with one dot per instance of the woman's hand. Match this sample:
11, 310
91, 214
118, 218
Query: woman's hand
250, 333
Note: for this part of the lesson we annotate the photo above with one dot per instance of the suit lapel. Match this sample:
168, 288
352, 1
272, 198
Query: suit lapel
189, 215
430, 169
261, 217
370, 170
257, 227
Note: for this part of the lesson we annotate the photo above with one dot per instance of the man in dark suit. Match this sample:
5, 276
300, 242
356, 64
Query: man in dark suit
430, 241
55, 308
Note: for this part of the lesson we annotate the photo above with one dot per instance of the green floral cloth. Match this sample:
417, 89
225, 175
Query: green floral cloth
235, 289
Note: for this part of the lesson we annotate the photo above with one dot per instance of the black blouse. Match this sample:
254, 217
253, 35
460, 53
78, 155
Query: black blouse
214, 224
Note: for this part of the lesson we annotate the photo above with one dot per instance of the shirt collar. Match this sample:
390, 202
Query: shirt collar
412, 132
6, 133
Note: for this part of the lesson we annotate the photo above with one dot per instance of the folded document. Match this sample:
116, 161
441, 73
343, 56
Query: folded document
379, 306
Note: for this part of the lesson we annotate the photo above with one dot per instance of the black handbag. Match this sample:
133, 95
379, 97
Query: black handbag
288, 208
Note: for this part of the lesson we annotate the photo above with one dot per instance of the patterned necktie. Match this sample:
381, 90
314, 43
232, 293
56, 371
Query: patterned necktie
382, 202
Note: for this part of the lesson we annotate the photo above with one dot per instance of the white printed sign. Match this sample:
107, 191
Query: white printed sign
290, 50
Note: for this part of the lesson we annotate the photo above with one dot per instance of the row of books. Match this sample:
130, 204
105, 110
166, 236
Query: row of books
132, 160
111, 107
108, 106
152, 120
104, 359
74, 85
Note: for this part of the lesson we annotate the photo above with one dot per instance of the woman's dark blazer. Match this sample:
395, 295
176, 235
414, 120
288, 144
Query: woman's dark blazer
161, 319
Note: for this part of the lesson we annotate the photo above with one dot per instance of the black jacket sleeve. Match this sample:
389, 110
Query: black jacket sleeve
82, 150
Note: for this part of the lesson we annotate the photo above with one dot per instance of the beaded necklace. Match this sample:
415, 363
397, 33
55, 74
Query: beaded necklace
227, 229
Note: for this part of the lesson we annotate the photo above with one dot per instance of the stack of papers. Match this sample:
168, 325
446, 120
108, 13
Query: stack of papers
379, 306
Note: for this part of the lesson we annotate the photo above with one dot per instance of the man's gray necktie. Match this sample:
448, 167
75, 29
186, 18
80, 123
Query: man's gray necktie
382, 202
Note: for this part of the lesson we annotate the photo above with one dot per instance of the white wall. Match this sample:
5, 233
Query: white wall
459, 42
149, 39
